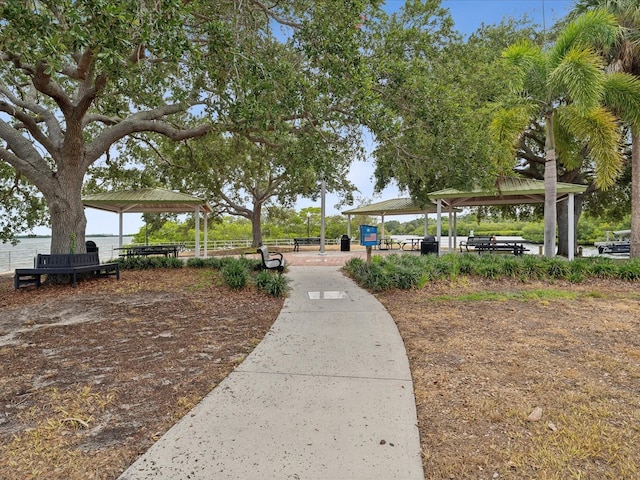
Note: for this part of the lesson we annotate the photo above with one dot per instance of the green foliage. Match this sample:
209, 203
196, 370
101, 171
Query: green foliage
409, 271
201, 262
272, 283
150, 262
533, 232
556, 268
235, 273
629, 270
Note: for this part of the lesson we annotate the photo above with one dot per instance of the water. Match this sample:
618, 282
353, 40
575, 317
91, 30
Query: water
22, 255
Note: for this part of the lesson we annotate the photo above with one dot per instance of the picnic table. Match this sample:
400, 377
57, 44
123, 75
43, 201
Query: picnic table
388, 243
147, 250
412, 243
491, 244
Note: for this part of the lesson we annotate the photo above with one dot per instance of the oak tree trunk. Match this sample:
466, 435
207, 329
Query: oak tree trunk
68, 221
256, 225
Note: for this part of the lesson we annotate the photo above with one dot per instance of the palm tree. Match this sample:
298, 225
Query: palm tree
624, 56
567, 87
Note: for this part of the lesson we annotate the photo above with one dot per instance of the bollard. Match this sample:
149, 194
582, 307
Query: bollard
540, 250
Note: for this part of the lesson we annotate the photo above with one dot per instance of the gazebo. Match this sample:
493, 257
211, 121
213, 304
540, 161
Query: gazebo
508, 191
151, 200
396, 206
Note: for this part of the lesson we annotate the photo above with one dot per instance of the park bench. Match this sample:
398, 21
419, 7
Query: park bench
297, 242
489, 244
269, 262
475, 242
64, 264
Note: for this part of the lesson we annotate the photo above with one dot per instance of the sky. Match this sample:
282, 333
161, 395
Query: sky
468, 16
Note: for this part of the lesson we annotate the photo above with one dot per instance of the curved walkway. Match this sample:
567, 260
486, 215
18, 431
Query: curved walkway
326, 395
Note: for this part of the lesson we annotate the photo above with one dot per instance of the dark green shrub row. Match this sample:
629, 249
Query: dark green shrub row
145, 263
236, 271
407, 271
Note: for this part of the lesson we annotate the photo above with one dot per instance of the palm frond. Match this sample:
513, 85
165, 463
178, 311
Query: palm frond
507, 128
579, 75
596, 28
568, 148
601, 133
622, 95
527, 66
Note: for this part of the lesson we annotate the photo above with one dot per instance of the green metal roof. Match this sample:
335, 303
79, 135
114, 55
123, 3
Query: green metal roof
508, 191
154, 200
395, 206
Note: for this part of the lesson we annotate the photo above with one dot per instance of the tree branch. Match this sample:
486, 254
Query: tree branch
274, 16
55, 132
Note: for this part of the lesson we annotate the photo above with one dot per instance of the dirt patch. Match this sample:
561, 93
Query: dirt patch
92, 376
486, 355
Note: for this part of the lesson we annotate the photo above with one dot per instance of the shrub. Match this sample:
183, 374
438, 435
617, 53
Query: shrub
604, 268
557, 268
630, 270
235, 273
145, 263
272, 283
200, 262
532, 268
489, 267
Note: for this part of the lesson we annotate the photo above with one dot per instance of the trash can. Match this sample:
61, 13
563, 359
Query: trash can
345, 243
429, 245
91, 246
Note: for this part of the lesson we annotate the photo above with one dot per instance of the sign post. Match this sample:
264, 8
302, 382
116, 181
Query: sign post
368, 238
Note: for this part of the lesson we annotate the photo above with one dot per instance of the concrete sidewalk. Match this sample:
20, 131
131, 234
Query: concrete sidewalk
326, 395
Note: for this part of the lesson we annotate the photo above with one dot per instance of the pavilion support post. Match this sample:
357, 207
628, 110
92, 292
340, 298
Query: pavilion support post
120, 230
571, 226
450, 230
426, 224
349, 226
206, 236
197, 231
455, 226
439, 224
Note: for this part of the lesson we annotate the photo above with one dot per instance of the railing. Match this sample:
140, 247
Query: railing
232, 244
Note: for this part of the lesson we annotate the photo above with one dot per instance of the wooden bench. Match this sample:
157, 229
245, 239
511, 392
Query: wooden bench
64, 264
269, 262
305, 241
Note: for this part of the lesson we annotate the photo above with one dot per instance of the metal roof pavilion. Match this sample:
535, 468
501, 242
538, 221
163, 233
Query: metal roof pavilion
507, 191
151, 200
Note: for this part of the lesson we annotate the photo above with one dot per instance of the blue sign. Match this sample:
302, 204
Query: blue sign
368, 235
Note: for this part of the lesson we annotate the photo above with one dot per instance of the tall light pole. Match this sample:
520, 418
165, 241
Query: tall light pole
323, 193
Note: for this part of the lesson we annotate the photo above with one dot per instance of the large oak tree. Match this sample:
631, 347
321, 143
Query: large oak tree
77, 77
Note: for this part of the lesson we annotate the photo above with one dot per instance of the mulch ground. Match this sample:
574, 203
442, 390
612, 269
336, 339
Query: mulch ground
93, 375
511, 380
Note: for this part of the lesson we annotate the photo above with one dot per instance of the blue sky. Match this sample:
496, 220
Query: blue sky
468, 15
